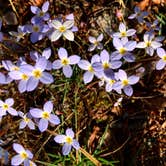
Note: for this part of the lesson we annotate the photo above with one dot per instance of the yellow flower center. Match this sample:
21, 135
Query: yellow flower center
125, 82
65, 61
24, 77
41, 14
24, 155
26, 119
5, 106
111, 82
96, 43
15, 68
62, 29
90, 69
45, 115
106, 65
37, 73
35, 28
123, 33
148, 43
122, 50
164, 58
68, 140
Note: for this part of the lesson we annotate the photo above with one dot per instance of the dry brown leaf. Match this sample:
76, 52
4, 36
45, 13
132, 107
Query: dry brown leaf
143, 4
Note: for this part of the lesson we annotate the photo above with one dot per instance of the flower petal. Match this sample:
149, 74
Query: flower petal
54, 119
160, 64
68, 71
16, 160
36, 113
69, 35
87, 77
128, 90
68, 24
46, 78
48, 106
62, 53
74, 59
32, 84
18, 148
76, 144
56, 24
69, 132
12, 111
104, 56
66, 149
55, 35
60, 139
84, 64
43, 125
57, 64
41, 63
9, 101
133, 79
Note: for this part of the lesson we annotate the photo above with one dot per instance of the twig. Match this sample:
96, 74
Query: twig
109, 153
14, 9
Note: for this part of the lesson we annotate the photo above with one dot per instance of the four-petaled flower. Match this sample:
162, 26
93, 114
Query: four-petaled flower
124, 33
95, 42
7, 107
41, 14
36, 74
90, 72
65, 62
45, 116
68, 141
139, 15
162, 62
125, 82
26, 121
23, 156
124, 48
150, 44
62, 29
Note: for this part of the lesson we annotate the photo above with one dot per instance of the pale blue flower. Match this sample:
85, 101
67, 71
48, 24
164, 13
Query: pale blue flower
162, 62
123, 32
149, 44
67, 141
125, 82
139, 15
90, 72
36, 74
95, 42
124, 48
23, 156
41, 14
26, 121
7, 107
65, 62
45, 116
62, 29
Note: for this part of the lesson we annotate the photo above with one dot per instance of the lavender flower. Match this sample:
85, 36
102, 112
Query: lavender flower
23, 79
95, 42
150, 44
23, 155
123, 47
19, 34
7, 107
45, 116
90, 72
41, 14
38, 31
68, 141
36, 74
153, 26
162, 62
46, 53
26, 121
125, 82
139, 15
107, 64
61, 28
64, 62
124, 33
